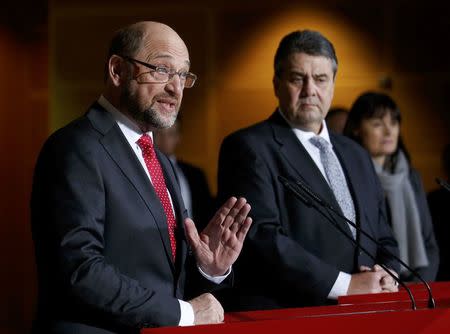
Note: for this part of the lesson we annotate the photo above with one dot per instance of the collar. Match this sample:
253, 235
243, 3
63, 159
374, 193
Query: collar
305, 136
128, 127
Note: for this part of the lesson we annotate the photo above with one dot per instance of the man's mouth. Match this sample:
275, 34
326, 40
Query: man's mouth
168, 104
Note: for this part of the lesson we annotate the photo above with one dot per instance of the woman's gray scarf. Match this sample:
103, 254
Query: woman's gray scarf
406, 224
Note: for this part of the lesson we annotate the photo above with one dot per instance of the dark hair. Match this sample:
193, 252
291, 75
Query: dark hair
336, 111
374, 105
125, 42
304, 41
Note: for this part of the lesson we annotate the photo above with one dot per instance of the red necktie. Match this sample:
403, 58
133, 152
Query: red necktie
156, 173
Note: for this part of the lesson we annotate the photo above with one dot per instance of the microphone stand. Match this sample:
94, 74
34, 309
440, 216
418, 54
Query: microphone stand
288, 184
305, 188
443, 184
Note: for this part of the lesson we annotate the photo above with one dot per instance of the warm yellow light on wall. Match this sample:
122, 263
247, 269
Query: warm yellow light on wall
251, 65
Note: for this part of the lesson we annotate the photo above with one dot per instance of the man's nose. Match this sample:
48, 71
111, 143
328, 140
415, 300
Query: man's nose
308, 88
175, 85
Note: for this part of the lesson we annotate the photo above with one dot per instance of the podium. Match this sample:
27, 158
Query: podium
371, 313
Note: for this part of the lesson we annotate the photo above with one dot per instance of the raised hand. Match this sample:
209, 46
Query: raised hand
218, 246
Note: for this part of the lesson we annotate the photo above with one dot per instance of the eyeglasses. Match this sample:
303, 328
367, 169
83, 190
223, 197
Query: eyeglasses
161, 74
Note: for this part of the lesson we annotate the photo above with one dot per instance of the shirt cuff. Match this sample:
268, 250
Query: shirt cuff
340, 287
215, 279
187, 314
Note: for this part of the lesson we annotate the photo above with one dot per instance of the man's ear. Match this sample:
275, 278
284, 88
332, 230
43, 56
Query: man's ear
116, 70
276, 84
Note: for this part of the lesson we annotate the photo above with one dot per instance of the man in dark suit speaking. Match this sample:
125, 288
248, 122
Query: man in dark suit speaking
293, 256
114, 249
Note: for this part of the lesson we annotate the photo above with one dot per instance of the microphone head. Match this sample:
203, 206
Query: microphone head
282, 179
443, 183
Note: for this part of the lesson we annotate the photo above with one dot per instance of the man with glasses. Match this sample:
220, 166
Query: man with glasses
114, 249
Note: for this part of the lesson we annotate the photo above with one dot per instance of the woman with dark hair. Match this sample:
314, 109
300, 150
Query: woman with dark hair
374, 122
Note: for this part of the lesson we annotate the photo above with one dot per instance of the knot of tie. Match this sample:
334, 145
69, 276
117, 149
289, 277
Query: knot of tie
146, 145
145, 142
320, 143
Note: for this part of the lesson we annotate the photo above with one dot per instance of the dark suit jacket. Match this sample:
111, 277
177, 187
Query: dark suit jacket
439, 201
292, 255
202, 201
100, 233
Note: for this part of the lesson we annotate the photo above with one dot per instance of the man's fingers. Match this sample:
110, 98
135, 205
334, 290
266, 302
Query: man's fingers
245, 227
364, 268
191, 233
233, 213
389, 283
221, 214
377, 267
240, 218
237, 208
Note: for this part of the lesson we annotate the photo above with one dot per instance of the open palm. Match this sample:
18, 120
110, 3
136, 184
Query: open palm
218, 246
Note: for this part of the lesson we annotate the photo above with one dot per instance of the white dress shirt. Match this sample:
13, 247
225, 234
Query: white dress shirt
342, 283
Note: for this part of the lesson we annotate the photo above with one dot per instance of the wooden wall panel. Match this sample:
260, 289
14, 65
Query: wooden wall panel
24, 126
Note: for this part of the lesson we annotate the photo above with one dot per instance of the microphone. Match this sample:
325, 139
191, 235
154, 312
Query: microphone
309, 191
443, 183
293, 187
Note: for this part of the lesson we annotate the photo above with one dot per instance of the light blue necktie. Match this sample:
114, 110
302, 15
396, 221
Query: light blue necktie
336, 179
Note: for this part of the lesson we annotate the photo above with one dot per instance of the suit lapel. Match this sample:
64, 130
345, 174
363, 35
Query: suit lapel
123, 155
295, 154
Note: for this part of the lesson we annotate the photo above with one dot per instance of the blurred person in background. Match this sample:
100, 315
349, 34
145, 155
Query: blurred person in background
336, 119
374, 122
193, 184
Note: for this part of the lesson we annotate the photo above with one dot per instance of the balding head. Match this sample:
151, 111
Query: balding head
145, 35
147, 67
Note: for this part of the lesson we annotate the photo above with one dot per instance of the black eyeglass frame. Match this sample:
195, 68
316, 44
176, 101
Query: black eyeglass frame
189, 78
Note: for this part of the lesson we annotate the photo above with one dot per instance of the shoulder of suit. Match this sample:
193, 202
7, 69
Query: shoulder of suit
78, 133
343, 142
254, 131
